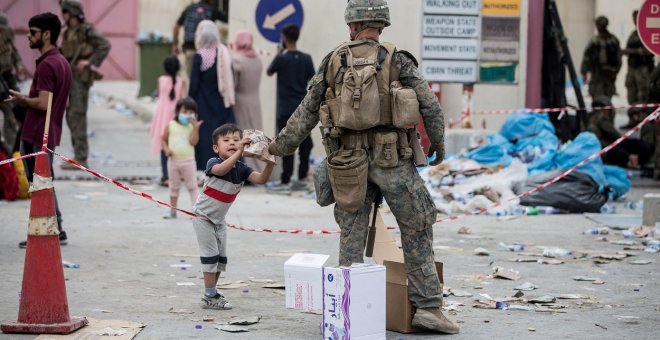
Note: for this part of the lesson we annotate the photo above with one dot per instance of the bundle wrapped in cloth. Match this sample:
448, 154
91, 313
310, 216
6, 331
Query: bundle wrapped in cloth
258, 147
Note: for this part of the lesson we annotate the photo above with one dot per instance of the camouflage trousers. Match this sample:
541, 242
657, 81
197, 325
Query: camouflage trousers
415, 213
637, 85
76, 119
600, 85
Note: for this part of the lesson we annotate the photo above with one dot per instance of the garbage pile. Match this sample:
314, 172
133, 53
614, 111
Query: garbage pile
523, 155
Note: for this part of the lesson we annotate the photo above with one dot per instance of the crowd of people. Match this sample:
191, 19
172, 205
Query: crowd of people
601, 63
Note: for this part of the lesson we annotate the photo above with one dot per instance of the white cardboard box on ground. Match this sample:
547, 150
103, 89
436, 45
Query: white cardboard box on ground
303, 281
354, 302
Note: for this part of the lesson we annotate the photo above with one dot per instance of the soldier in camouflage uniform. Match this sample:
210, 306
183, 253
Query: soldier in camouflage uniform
10, 61
85, 48
640, 65
602, 61
400, 184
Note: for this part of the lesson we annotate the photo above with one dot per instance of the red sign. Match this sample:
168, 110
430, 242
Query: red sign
648, 25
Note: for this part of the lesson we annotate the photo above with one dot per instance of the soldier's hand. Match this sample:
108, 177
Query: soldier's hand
439, 151
82, 64
272, 149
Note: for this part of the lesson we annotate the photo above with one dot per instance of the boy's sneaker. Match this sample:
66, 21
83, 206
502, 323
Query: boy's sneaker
279, 188
300, 185
171, 215
63, 241
217, 302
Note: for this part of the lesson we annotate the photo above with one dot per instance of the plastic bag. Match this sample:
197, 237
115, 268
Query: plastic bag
258, 147
523, 125
617, 180
583, 146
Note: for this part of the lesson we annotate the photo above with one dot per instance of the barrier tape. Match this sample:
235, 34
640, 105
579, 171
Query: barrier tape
561, 109
655, 115
34, 154
293, 231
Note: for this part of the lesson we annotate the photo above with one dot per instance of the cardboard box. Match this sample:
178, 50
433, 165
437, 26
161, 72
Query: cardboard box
303, 281
386, 252
354, 302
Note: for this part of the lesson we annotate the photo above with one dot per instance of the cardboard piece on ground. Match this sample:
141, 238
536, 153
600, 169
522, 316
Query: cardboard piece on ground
92, 329
303, 281
386, 252
354, 302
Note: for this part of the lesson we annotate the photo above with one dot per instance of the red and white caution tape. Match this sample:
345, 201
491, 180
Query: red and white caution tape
654, 116
7, 161
293, 231
560, 109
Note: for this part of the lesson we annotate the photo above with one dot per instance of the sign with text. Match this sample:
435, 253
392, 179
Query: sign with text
648, 25
465, 7
450, 48
501, 8
450, 71
500, 29
457, 26
500, 50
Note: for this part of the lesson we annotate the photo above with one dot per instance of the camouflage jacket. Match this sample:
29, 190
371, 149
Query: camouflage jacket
306, 116
93, 46
602, 56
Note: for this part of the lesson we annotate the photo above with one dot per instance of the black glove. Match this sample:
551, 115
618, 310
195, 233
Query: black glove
439, 151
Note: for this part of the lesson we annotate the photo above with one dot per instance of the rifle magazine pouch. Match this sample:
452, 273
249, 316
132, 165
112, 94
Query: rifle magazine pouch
385, 149
405, 107
349, 170
322, 185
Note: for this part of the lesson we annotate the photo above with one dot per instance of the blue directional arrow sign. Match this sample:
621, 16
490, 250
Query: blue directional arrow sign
272, 15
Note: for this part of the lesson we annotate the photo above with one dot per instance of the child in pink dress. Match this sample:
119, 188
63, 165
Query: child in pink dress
170, 89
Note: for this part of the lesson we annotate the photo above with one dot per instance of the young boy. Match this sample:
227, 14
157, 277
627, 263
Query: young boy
225, 177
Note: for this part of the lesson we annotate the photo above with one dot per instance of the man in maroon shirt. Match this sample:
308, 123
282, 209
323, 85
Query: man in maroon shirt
53, 74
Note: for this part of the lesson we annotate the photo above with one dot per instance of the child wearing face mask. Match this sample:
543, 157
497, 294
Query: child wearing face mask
179, 140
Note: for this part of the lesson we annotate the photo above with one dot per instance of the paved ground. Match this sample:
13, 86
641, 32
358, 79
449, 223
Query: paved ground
125, 250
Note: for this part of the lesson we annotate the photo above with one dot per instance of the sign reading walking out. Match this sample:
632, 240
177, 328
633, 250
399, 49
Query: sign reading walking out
648, 25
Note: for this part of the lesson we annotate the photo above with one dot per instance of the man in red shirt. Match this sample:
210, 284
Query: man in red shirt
53, 74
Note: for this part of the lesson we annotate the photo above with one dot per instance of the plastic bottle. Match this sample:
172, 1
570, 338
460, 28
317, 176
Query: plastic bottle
547, 210
608, 208
501, 305
510, 247
628, 234
517, 210
554, 252
531, 211
597, 231
639, 205
68, 264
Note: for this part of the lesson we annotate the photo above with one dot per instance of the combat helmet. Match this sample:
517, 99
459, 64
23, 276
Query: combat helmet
73, 7
367, 10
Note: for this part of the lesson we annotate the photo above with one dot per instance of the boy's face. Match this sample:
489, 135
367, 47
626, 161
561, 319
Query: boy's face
227, 145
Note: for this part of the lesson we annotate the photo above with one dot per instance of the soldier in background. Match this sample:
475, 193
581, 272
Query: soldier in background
370, 148
85, 49
640, 65
601, 62
10, 62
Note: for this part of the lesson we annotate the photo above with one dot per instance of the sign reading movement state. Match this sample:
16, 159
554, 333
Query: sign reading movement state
648, 25
450, 43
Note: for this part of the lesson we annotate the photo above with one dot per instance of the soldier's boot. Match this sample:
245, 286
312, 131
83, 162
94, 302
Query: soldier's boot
432, 319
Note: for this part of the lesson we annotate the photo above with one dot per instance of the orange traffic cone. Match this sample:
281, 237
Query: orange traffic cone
43, 306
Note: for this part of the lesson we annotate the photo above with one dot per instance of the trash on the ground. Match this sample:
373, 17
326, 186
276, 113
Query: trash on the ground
69, 264
485, 304
542, 299
526, 286
601, 261
81, 197
574, 296
181, 265
643, 230
459, 293
109, 331
464, 230
186, 284
180, 311
231, 328
507, 306
481, 252
510, 247
633, 248
617, 257
531, 329
615, 221
245, 321
584, 278
630, 319
208, 318
601, 326
597, 231
198, 326
625, 253
624, 242
518, 294
275, 285
598, 282
641, 262
523, 260
508, 274
452, 306
556, 252
262, 280
549, 261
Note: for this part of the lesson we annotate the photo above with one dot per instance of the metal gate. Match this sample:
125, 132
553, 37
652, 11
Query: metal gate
116, 19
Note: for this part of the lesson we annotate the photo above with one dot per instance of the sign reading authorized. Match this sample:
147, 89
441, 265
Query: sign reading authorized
501, 8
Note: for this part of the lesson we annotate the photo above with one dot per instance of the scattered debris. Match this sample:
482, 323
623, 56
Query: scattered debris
601, 326
542, 299
459, 293
208, 318
464, 230
481, 252
573, 296
181, 265
109, 331
245, 321
518, 294
274, 285
598, 282
584, 278
531, 329
186, 284
601, 261
508, 274
624, 242
261, 280
180, 311
629, 319
231, 328
527, 286
641, 262
549, 261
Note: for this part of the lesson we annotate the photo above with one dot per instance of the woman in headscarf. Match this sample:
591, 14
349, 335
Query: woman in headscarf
212, 87
247, 77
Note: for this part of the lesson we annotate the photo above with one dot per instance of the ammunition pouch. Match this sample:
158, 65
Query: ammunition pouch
348, 172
